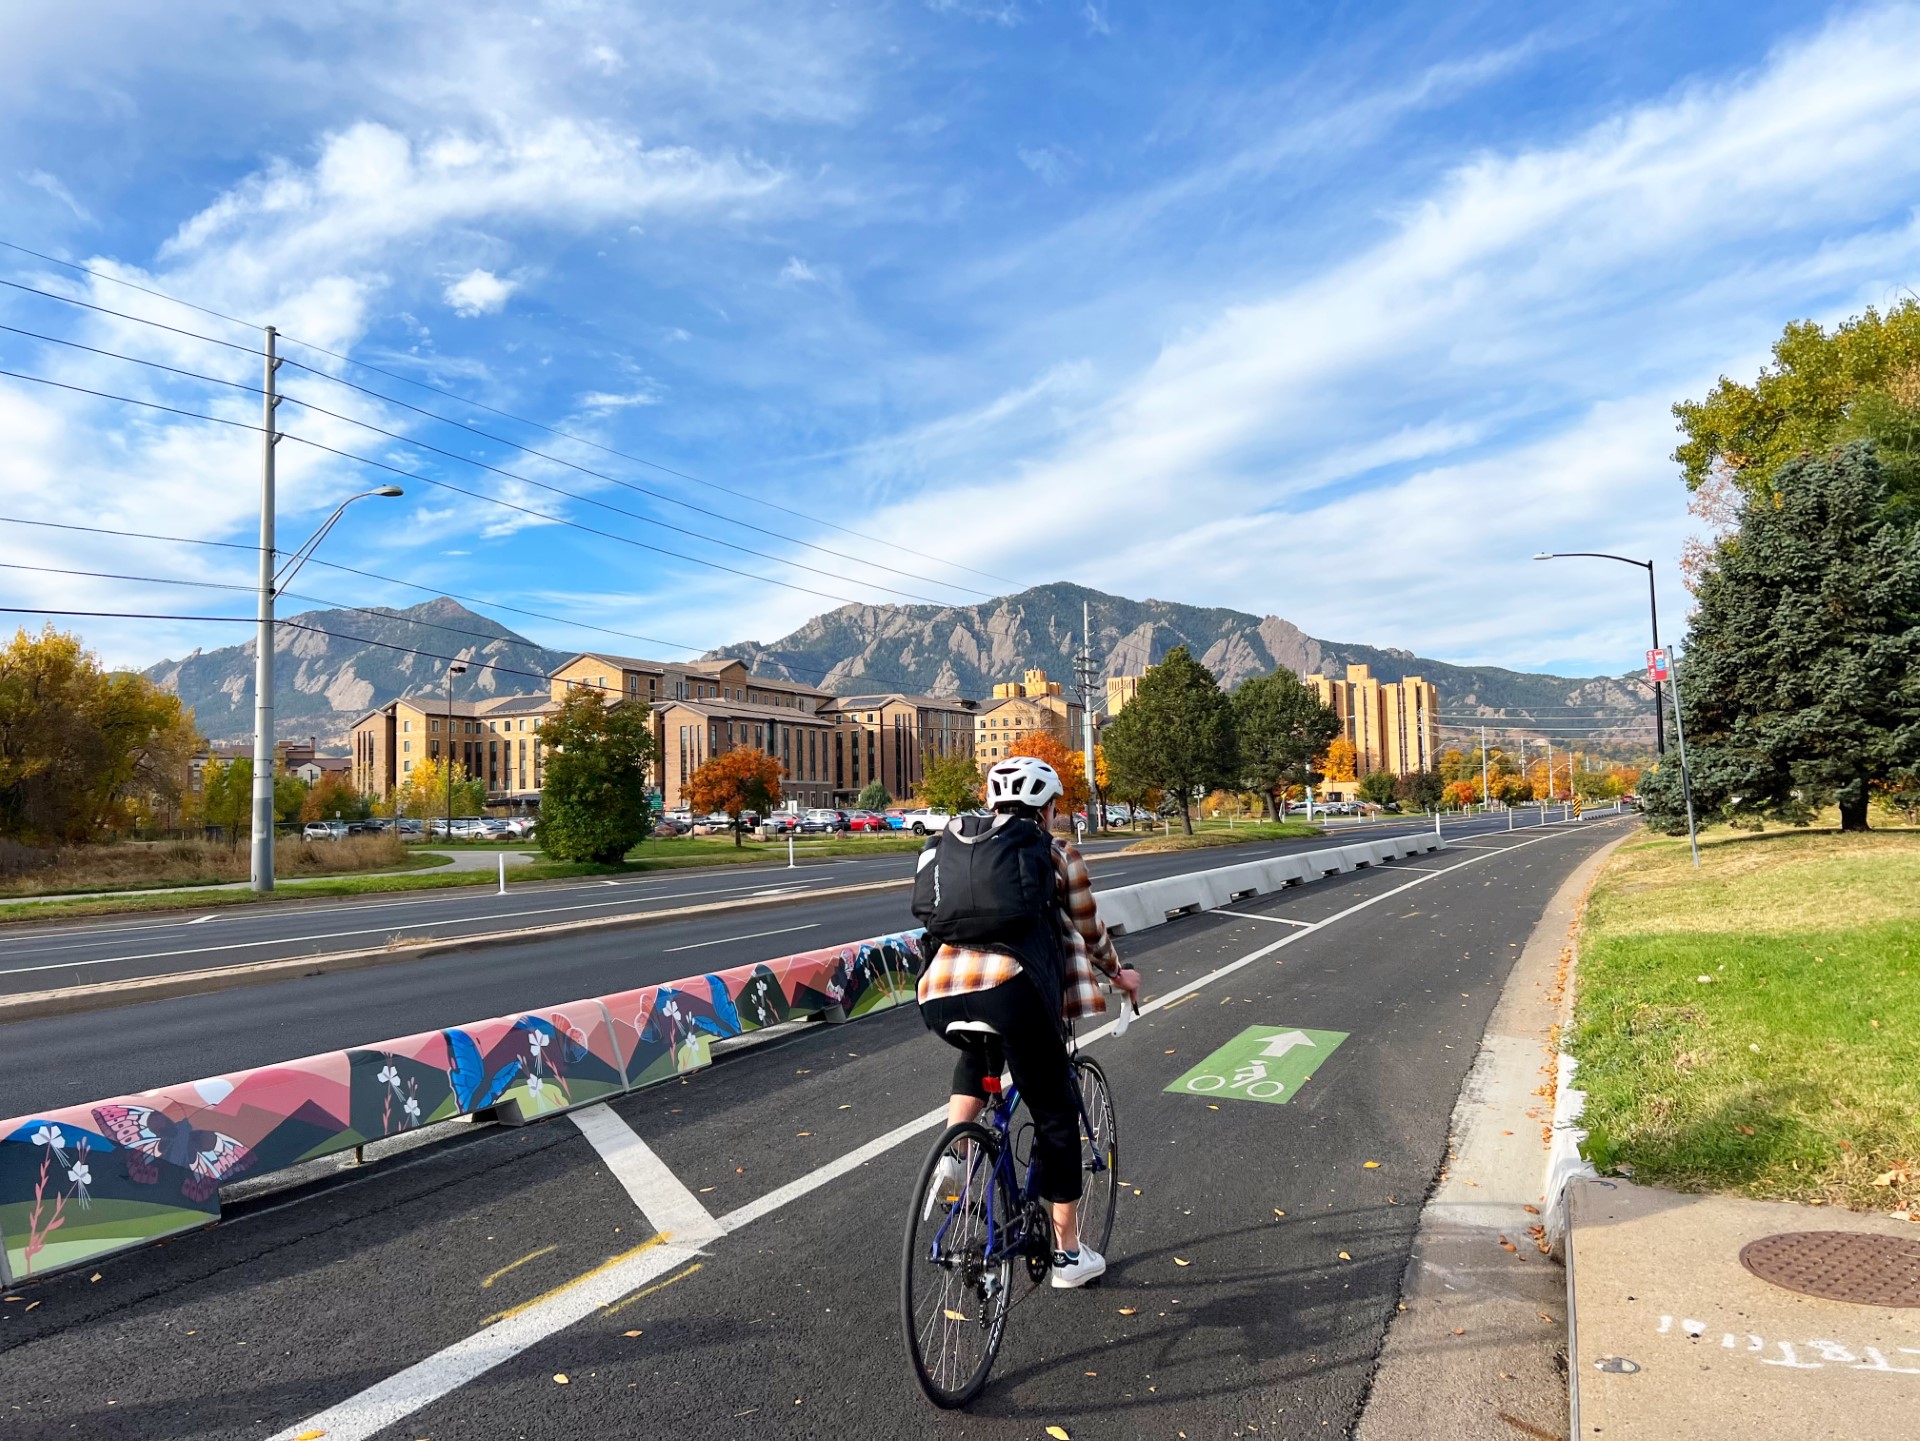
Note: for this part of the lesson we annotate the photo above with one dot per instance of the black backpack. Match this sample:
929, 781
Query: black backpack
988, 881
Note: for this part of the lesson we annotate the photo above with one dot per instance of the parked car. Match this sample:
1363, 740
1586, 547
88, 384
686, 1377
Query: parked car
923, 822
896, 818
780, 823
521, 825
719, 823
324, 831
672, 824
821, 820
866, 821
406, 826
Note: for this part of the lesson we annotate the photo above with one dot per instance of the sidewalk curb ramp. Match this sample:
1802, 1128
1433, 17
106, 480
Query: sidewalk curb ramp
83, 1182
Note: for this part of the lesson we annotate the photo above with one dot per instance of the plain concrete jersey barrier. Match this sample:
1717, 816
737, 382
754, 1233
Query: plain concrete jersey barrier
83, 1182
1131, 909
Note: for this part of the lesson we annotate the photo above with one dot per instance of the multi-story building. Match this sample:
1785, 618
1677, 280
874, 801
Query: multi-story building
1389, 723
497, 740
1121, 689
1018, 709
890, 738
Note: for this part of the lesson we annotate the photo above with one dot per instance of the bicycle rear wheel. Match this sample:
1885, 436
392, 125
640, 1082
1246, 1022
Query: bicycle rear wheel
953, 1297
1099, 1155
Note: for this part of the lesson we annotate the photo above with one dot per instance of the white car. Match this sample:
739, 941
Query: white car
324, 831
923, 823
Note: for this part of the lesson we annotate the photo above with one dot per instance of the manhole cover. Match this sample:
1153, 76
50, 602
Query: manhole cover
1839, 1266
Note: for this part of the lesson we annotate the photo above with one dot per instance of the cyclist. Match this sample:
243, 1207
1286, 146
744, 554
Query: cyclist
1029, 985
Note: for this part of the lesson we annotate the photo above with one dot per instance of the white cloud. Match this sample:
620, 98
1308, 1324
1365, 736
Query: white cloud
606, 59
611, 400
1096, 19
797, 270
995, 12
50, 184
1049, 162
479, 292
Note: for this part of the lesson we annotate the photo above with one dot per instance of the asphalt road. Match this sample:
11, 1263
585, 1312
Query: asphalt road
40, 955
487, 1267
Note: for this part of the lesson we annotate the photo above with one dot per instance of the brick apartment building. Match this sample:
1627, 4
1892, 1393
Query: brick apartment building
1017, 710
1389, 723
889, 737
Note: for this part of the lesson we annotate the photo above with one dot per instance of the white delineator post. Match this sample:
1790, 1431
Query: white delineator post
262, 851
790, 864
503, 872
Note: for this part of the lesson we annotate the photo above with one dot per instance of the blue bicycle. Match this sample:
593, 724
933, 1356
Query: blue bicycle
975, 1214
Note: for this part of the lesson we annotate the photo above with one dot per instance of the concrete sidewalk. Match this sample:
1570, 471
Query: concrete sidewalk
1675, 1340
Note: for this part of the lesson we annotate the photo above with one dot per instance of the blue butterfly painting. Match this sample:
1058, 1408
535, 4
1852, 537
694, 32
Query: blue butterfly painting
469, 1072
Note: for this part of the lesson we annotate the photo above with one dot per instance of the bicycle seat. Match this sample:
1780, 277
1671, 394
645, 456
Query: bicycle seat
981, 1039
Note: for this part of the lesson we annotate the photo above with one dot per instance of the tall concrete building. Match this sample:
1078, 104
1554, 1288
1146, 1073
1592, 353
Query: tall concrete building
1389, 723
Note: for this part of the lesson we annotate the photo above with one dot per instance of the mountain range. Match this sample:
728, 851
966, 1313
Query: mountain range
332, 666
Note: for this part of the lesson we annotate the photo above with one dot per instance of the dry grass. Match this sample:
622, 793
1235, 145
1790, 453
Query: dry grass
137, 865
1239, 836
1751, 1027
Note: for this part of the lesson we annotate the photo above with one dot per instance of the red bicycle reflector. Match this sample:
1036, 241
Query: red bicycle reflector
991, 1085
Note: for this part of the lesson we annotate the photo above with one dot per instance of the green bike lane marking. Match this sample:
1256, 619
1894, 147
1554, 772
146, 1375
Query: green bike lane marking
1262, 1063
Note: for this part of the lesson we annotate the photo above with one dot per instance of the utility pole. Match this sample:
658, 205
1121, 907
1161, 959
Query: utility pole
1549, 794
453, 669
1083, 669
262, 852
1486, 792
1686, 782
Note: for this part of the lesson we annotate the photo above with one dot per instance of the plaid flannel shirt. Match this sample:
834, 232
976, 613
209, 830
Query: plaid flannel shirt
1084, 944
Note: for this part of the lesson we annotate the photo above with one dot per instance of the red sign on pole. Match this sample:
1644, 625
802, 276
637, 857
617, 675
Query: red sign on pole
1657, 668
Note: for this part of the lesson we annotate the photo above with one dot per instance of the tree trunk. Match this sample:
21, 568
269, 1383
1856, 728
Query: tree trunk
1853, 806
1272, 813
736, 832
1186, 816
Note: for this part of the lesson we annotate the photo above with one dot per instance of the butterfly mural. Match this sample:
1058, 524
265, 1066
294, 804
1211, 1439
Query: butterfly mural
152, 1138
473, 1088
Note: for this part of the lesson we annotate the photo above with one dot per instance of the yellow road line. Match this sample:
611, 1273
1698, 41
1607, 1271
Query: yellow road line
607, 1264
659, 1286
516, 1265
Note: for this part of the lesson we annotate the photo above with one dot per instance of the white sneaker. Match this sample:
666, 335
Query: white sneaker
943, 1186
1089, 1265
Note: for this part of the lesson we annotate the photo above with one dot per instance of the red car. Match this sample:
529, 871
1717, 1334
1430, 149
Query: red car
866, 821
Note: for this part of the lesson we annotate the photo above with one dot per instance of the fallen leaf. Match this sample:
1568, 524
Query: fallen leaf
846, 1108
1092, 1373
953, 1315
1059, 1433
1459, 1330
634, 1333
559, 1378
309, 1436
94, 1277
803, 1073
1179, 1262
1545, 1317
1345, 1257
1129, 1310
1531, 1210
30, 1306
1369, 1165
803, 1133
1169, 1051
1278, 1212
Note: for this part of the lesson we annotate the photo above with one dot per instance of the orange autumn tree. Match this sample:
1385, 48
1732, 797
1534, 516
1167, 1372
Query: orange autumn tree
733, 782
1340, 761
1071, 765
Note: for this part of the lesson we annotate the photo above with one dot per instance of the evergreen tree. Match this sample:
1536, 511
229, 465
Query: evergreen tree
1800, 684
1175, 735
1281, 726
595, 805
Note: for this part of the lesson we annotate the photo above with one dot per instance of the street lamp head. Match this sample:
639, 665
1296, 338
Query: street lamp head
456, 669
1543, 555
389, 490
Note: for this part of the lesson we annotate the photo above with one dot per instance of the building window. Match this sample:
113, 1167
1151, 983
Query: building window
406, 765
406, 725
404, 745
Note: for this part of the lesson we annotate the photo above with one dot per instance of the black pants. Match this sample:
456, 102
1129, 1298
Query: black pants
1036, 1053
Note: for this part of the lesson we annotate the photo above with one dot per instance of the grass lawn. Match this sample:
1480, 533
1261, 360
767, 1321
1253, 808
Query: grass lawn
1754, 1027
675, 853
1213, 833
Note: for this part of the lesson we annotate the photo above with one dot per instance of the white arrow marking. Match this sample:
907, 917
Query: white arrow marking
1280, 1045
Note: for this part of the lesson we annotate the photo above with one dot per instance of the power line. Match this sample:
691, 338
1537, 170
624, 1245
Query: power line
390, 580
659, 495
478, 405
442, 484
143, 289
508, 474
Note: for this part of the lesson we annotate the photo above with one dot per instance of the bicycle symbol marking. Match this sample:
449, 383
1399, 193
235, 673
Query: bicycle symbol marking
1251, 1078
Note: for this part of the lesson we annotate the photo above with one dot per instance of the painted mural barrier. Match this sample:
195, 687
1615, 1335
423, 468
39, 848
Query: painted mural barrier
84, 1182
81, 1183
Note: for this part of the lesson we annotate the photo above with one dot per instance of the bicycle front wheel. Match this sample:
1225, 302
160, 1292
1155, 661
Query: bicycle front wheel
953, 1288
1099, 1154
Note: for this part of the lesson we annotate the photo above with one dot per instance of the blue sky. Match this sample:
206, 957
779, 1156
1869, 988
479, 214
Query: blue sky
1337, 313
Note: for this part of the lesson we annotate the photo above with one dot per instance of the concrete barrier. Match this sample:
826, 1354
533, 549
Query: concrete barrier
80, 1183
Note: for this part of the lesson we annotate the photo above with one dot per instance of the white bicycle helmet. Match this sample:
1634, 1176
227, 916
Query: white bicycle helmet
1022, 780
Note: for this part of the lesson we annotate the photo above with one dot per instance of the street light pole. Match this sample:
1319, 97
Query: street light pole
453, 669
1653, 604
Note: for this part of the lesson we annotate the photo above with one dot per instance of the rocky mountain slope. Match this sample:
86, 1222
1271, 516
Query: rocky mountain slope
352, 660
964, 650
327, 677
